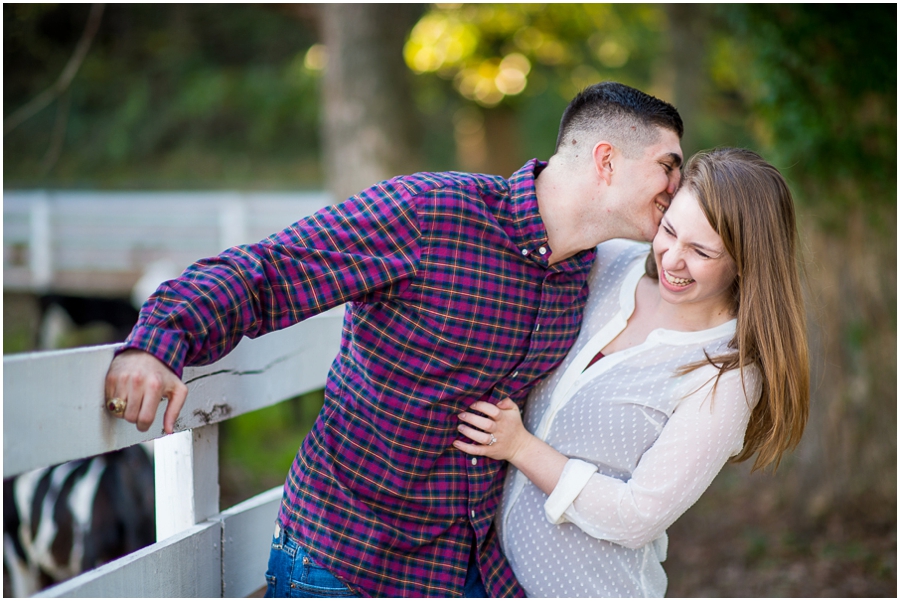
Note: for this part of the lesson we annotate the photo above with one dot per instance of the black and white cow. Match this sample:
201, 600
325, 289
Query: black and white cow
70, 518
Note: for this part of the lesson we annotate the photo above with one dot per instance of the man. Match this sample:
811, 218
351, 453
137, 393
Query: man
458, 287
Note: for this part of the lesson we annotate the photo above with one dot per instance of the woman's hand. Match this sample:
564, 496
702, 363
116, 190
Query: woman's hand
499, 434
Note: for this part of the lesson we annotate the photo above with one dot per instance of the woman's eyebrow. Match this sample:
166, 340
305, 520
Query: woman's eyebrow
702, 247
709, 250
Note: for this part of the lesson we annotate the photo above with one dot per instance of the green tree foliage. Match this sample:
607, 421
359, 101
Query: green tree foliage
528, 60
822, 79
206, 96
169, 95
490, 51
812, 86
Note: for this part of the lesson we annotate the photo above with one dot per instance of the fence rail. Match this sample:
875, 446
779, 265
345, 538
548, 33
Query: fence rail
53, 412
103, 242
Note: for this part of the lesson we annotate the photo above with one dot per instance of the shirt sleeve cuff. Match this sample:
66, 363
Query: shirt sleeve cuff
572, 480
165, 345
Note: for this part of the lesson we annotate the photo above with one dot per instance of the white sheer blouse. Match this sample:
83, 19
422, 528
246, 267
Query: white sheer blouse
643, 444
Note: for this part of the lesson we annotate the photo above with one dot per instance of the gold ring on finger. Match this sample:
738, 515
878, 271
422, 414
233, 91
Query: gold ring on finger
116, 406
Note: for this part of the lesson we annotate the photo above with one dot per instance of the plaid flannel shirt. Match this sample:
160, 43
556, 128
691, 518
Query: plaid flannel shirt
449, 299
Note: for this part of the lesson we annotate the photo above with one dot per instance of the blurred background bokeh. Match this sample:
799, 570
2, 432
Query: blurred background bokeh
337, 97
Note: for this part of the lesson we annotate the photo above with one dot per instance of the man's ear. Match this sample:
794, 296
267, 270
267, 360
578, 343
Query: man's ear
603, 163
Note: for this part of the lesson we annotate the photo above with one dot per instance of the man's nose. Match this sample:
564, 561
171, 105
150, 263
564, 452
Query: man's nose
674, 182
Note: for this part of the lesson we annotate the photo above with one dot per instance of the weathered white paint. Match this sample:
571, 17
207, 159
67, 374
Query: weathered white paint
246, 540
186, 465
53, 402
225, 556
103, 241
185, 565
53, 411
40, 248
232, 220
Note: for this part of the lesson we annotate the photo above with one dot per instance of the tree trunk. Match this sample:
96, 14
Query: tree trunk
369, 122
503, 143
487, 141
684, 72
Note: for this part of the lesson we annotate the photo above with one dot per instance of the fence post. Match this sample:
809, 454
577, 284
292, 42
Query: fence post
41, 244
187, 479
232, 221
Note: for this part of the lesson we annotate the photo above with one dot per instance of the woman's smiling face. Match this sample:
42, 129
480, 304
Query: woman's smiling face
693, 265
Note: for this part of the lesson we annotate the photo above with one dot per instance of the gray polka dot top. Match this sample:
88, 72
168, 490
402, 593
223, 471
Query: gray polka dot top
643, 444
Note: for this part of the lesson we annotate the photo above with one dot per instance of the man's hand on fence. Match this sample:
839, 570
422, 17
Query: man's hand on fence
141, 381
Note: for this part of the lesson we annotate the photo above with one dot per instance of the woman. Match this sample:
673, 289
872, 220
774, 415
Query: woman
670, 377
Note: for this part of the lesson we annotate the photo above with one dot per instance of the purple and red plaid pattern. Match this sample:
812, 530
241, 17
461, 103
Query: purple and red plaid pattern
450, 299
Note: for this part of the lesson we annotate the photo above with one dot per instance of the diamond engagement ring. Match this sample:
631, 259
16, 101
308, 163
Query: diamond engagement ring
493, 440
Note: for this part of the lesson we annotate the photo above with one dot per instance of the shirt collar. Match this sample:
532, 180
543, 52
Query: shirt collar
528, 231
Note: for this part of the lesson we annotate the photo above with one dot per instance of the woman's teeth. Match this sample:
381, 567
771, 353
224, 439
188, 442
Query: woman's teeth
660, 207
677, 281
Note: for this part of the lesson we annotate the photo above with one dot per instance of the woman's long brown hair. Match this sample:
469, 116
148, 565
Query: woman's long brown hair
749, 205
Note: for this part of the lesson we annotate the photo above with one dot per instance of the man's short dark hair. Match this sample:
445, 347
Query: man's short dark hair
621, 112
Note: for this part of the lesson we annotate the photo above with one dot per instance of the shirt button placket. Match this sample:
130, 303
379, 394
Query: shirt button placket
473, 474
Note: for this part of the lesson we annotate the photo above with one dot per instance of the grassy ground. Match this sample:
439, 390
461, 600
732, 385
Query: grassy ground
733, 543
20, 322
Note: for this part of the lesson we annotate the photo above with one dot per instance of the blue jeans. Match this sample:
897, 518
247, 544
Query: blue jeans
474, 586
293, 573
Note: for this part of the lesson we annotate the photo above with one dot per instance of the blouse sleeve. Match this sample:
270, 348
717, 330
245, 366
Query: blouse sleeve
704, 431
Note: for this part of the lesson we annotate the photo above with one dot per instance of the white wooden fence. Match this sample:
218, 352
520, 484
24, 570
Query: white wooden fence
53, 411
96, 242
